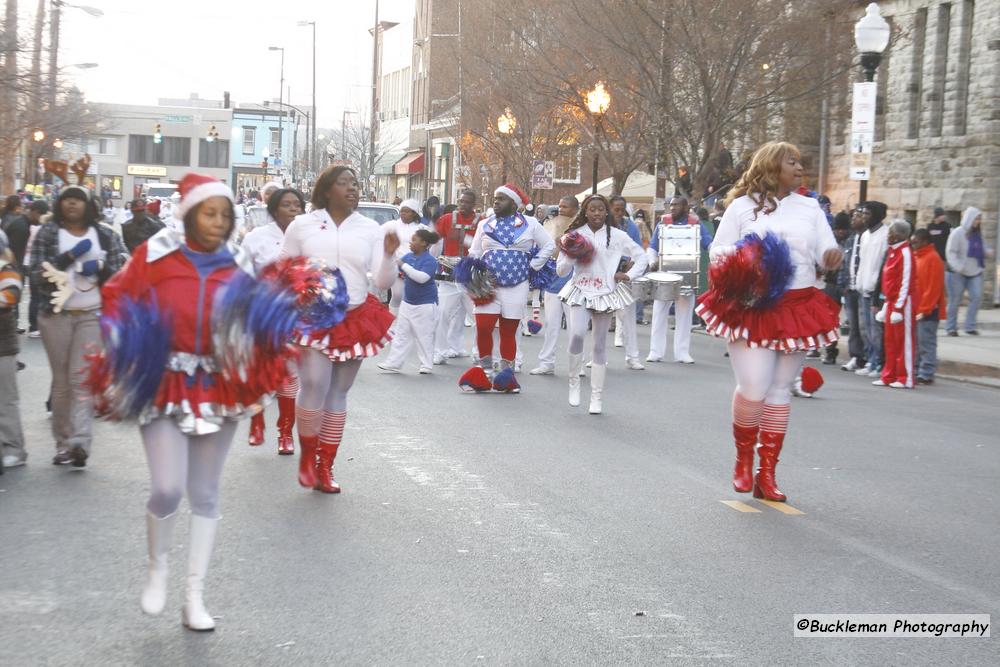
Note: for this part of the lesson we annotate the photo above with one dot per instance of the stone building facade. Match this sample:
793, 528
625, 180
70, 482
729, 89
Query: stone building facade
937, 140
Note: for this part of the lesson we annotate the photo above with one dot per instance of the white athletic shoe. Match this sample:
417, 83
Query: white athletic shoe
851, 365
685, 360
439, 360
542, 370
387, 368
874, 373
425, 370
897, 385
864, 370
12, 461
878, 383
653, 360
635, 365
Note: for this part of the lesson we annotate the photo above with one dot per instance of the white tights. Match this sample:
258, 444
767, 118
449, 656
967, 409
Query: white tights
177, 460
764, 375
323, 385
579, 317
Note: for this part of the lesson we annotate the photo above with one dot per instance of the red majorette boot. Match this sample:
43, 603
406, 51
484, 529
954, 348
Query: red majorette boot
746, 439
764, 485
307, 460
286, 420
324, 468
257, 430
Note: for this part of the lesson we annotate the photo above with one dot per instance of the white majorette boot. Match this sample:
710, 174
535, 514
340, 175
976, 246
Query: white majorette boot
575, 366
194, 615
158, 535
597, 373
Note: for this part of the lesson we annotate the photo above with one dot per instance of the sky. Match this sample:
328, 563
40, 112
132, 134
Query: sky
151, 49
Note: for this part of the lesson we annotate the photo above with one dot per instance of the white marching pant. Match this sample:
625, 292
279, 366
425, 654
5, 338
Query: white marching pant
683, 318
551, 325
625, 318
453, 305
415, 327
396, 297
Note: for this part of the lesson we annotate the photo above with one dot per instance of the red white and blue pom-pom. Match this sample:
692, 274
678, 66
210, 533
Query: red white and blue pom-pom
320, 292
126, 376
506, 382
756, 275
543, 277
477, 279
577, 246
475, 379
252, 324
534, 326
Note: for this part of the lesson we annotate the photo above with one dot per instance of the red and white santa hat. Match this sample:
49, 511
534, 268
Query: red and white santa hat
514, 192
196, 188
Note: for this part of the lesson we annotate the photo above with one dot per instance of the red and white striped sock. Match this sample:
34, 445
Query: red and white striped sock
746, 413
332, 430
775, 418
308, 421
290, 389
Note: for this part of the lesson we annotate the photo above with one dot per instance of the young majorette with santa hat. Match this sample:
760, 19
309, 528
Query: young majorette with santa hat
330, 359
496, 275
764, 302
263, 245
403, 228
592, 250
171, 364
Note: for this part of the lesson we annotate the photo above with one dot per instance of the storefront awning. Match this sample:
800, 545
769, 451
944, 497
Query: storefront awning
411, 164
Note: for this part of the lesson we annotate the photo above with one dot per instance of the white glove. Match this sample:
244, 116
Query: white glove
61, 281
880, 315
896, 317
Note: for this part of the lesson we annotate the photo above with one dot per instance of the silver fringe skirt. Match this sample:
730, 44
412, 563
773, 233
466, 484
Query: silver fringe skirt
620, 298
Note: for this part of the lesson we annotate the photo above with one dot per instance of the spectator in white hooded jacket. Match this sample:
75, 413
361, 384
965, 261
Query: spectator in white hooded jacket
966, 255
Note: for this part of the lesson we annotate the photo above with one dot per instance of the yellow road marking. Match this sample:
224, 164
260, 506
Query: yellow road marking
785, 508
738, 506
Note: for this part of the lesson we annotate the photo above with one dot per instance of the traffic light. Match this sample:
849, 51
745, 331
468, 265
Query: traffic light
213, 134
157, 134
263, 165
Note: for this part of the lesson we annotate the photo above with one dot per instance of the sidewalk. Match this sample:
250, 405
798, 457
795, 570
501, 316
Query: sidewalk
972, 358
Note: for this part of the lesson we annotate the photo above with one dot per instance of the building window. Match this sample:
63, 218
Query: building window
213, 154
275, 142
173, 151
964, 63
914, 89
102, 146
249, 140
567, 159
940, 68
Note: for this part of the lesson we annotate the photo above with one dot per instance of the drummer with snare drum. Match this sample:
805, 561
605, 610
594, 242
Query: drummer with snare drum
676, 247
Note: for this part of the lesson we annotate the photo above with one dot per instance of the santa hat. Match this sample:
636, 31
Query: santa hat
514, 192
196, 188
154, 207
412, 204
812, 380
475, 379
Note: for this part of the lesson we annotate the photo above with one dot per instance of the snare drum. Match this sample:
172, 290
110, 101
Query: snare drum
642, 289
664, 286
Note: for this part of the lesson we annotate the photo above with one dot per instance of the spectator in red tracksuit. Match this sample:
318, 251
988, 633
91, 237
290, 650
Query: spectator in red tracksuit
899, 285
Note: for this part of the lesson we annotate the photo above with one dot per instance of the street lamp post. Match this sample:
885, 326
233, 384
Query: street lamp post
598, 101
311, 130
55, 19
871, 37
506, 124
281, 99
295, 108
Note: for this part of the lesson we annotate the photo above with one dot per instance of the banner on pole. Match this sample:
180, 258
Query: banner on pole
543, 174
862, 129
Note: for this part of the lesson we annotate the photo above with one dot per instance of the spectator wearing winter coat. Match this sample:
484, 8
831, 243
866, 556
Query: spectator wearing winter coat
873, 247
966, 256
931, 305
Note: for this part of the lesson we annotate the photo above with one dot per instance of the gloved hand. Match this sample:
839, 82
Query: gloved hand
880, 315
80, 249
896, 317
88, 268
63, 289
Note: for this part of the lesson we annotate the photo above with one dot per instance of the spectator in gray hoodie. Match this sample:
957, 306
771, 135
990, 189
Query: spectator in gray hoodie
966, 256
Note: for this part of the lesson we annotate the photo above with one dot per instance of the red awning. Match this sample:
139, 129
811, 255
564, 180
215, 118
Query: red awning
411, 164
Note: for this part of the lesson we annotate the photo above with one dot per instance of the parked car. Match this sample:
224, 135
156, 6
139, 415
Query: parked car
380, 213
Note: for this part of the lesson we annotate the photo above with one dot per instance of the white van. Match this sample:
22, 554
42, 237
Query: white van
158, 190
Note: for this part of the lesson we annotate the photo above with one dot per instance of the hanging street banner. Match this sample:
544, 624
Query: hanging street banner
543, 174
862, 129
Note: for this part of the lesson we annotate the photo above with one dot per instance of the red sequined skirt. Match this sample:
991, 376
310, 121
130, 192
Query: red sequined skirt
803, 319
362, 333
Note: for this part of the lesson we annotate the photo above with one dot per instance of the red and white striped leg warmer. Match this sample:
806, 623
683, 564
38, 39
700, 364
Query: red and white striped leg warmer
291, 387
309, 421
746, 413
332, 430
775, 418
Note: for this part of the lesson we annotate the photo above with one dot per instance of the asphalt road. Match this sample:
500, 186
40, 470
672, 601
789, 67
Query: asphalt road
488, 529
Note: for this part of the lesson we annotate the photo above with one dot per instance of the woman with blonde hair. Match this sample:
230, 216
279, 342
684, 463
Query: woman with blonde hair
764, 303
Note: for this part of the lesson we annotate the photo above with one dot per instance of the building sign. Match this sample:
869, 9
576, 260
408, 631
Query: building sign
142, 170
543, 173
862, 129
178, 119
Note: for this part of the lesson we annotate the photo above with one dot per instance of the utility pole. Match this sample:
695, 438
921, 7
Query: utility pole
53, 52
371, 130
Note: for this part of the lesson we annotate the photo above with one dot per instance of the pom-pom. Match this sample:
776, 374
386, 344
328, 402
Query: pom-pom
252, 323
812, 380
756, 274
577, 246
506, 382
534, 326
126, 376
543, 277
475, 379
478, 280
320, 292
